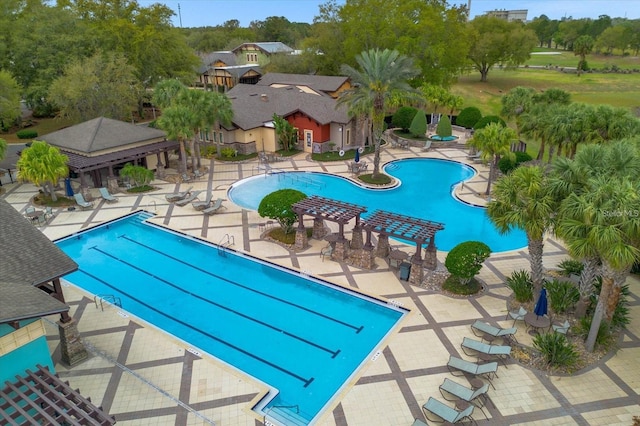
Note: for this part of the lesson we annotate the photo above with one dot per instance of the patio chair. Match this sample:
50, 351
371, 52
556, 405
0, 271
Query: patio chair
458, 391
326, 251
461, 366
48, 213
501, 352
561, 328
201, 205
192, 196
215, 207
178, 195
104, 193
488, 330
445, 412
84, 204
518, 315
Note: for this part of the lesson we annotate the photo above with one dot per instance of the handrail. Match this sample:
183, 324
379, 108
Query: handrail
109, 298
222, 245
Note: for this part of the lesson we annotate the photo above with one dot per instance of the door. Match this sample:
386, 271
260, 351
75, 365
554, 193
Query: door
308, 140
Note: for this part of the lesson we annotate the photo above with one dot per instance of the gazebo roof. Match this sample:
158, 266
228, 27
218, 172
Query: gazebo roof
325, 208
403, 227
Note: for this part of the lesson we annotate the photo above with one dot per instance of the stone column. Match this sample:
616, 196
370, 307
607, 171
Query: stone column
383, 246
341, 250
72, 350
301, 234
318, 228
356, 237
430, 258
112, 184
417, 274
368, 259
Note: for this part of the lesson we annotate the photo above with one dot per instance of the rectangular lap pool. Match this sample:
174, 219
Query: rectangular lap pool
302, 336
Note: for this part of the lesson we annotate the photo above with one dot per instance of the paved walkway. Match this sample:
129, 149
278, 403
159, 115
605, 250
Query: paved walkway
145, 376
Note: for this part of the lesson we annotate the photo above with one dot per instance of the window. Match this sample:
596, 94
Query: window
348, 136
221, 141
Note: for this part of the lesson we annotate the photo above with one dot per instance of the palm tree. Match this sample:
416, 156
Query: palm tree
494, 142
382, 79
582, 47
177, 121
522, 199
516, 102
43, 165
3, 148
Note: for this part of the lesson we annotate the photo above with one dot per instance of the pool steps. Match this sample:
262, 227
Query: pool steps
284, 416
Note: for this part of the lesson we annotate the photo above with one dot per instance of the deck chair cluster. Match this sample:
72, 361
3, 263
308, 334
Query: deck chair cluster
473, 397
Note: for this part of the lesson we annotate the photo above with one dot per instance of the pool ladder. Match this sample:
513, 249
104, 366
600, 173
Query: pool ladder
226, 242
107, 298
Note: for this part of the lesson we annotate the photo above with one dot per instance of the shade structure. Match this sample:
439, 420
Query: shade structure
541, 305
357, 159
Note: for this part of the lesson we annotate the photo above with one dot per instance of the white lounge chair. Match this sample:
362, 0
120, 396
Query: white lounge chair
445, 412
215, 207
84, 204
459, 365
458, 391
104, 193
489, 330
178, 195
501, 352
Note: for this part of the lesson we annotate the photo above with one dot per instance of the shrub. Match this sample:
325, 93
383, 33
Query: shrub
563, 295
453, 285
419, 125
141, 176
465, 260
485, 121
228, 152
208, 151
522, 286
444, 126
468, 117
620, 317
556, 350
506, 164
403, 117
277, 206
27, 134
570, 267
603, 339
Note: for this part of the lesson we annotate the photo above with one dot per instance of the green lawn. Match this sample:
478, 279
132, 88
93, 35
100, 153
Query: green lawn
42, 125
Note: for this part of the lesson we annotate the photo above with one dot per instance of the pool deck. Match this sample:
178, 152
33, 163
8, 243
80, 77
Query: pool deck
144, 376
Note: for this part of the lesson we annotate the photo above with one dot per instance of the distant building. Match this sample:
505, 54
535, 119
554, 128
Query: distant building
221, 70
260, 53
509, 15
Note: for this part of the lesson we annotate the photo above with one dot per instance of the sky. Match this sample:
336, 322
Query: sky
200, 13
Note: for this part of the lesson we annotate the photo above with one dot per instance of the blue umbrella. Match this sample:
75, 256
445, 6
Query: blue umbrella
67, 187
357, 159
541, 305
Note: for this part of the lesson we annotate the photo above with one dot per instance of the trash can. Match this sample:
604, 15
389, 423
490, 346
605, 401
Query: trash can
403, 273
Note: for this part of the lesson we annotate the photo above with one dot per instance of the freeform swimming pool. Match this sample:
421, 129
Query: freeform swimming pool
302, 336
426, 192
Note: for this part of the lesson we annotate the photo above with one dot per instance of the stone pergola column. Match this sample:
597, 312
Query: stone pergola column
382, 250
430, 258
356, 236
318, 228
84, 189
160, 172
417, 274
301, 234
72, 349
341, 250
368, 255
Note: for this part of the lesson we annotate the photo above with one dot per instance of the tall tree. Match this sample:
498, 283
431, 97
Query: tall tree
493, 141
177, 121
517, 102
382, 78
495, 41
522, 199
9, 100
103, 85
43, 165
582, 47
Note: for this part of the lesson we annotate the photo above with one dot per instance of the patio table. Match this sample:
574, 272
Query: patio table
536, 322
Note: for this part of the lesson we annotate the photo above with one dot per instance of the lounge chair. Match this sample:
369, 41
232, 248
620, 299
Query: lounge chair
518, 315
501, 352
491, 331
445, 412
458, 365
201, 205
104, 193
449, 387
561, 328
176, 196
418, 422
189, 198
215, 207
84, 204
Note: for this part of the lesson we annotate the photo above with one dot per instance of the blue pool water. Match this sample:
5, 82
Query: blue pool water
301, 336
426, 192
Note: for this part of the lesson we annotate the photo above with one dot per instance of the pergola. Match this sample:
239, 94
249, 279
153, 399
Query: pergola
42, 398
321, 209
406, 228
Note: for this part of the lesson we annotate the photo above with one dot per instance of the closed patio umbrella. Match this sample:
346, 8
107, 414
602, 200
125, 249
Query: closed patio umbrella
541, 305
357, 159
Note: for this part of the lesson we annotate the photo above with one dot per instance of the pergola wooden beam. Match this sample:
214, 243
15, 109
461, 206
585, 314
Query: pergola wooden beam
331, 210
403, 227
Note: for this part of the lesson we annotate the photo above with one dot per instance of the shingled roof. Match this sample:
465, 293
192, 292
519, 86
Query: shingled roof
208, 59
101, 134
322, 83
28, 256
268, 47
253, 105
22, 301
